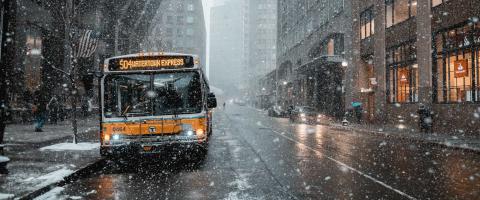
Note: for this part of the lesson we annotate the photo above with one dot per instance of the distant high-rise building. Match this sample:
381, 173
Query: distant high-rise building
262, 20
228, 44
243, 42
180, 27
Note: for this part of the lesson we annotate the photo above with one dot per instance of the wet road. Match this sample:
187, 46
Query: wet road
253, 156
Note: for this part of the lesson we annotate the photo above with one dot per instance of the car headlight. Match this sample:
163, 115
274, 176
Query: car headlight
320, 116
302, 115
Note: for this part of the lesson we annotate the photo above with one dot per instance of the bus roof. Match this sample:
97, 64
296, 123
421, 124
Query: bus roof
146, 54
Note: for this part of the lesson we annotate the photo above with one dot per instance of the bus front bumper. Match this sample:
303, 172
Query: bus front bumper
152, 145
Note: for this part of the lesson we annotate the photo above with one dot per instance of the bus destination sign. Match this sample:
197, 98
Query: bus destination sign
150, 63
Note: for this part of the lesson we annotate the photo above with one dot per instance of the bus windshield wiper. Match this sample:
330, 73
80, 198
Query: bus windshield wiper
124, 113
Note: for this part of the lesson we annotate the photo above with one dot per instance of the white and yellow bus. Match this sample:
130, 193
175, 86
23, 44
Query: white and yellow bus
150, 102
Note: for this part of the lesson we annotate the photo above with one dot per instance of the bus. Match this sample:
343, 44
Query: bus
150, 102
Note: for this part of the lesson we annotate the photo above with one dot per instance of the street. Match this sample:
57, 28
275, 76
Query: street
253, 156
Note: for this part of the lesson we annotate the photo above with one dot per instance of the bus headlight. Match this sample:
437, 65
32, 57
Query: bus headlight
116, 137
187, 130
200, 133
106, 139
190, 133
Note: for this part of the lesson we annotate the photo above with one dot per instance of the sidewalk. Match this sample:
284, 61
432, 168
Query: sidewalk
451, 140
36, 159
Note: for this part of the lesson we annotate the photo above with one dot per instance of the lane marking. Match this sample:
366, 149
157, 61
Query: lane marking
346, 166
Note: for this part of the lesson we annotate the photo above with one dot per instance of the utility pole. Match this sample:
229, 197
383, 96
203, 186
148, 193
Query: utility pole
8, 8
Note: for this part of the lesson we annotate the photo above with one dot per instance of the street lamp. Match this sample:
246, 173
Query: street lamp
285, 82
344, 63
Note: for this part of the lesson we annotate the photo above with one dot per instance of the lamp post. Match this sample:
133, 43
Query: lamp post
344, 96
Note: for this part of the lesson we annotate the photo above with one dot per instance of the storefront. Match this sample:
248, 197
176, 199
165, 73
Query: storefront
402, 73
456, 64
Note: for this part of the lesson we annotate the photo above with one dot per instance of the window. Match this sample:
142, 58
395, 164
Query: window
179, 19
190, 19
152, 94
402, 76
366, 23
456, 67
169, 32
436, 2
397, 11
330, 47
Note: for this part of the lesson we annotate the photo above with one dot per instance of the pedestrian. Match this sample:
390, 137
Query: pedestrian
224, 104
357, 108
53, 109
425, 119
39, 110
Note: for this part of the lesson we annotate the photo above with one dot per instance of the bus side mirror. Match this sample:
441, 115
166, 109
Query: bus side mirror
211, 100
98, 74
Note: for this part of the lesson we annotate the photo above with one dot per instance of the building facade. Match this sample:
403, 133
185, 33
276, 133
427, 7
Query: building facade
43, 34
418, 53
179, 27
314, 51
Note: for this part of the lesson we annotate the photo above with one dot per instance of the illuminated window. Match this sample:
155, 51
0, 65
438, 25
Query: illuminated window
457, 64
436, 2
366, 23
397, 11
402, 76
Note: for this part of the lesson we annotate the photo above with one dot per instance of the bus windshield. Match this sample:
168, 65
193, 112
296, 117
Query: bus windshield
152, 94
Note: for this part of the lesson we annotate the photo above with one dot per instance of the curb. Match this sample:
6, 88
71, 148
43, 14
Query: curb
477, 151
82, 172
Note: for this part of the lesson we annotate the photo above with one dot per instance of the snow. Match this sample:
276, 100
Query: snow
86, 146
6, 196
51, 177
51, 195
4, 159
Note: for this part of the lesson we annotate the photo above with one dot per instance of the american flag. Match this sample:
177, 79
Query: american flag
87, 44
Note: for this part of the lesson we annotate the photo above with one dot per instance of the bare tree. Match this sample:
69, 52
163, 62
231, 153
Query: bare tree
71, 45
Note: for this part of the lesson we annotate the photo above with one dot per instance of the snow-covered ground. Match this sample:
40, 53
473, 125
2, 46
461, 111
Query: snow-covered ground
85, 146
6, 196
50, 178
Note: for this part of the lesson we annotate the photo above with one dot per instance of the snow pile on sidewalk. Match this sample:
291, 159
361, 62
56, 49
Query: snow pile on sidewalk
86, 146
6, 196
50, 178
52, 194
4, 159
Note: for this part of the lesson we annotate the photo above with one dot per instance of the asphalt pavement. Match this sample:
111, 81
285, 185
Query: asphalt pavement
253, 156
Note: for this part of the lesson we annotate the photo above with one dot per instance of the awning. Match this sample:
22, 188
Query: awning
319, 61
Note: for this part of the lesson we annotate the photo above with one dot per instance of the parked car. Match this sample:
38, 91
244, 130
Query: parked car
305, 114
277, 111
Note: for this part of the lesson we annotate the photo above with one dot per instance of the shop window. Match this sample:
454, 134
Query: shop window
330, 47
456, 66
402, 76
404, 84
366, 23
397, 11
